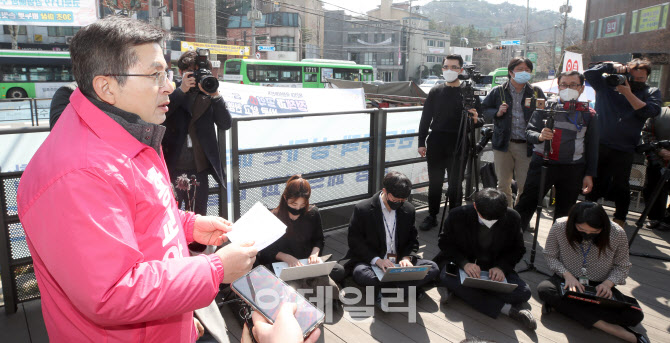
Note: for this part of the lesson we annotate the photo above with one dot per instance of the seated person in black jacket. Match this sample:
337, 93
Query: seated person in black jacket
486, 237
381, 230
303, 238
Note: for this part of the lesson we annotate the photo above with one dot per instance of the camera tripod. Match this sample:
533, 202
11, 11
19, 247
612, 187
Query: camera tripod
466, 149
665, 176
530, 264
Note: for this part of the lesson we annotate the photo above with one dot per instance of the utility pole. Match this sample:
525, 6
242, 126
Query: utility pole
253, 27
565, 9
409, 33
553, 53
525, 51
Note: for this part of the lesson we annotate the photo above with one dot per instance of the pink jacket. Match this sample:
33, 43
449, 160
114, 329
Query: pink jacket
108, 242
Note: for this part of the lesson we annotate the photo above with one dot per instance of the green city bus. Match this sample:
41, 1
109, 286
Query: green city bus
308, 73
33, 74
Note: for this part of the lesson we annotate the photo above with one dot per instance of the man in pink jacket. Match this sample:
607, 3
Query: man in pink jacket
108, 242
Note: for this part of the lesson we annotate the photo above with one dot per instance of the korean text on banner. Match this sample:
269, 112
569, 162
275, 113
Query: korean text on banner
48, 13
217, 49
572, 61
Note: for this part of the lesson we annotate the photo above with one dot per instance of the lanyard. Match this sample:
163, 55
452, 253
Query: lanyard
584, 254
577, 125
391, 234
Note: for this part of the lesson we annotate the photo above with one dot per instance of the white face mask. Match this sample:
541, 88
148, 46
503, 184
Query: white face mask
568, 94
486, 222
449, 75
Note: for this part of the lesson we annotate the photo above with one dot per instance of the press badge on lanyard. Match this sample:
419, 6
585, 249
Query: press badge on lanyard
390, 255
584, 280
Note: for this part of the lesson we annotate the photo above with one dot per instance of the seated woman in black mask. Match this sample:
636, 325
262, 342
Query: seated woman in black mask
586, 248
303, 238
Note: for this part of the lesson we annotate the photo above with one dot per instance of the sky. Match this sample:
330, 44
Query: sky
578, 6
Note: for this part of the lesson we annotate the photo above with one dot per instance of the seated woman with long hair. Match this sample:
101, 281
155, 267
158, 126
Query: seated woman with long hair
586, 248
303, 238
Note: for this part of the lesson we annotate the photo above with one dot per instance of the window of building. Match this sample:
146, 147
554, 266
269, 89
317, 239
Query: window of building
283, 43
387, 76
431, 42
353, 56
22, 29
370, 58
611, 26
431, 58
649, 18
440, 44
386, 59
281, 19
60, 31
380, 37
352, 38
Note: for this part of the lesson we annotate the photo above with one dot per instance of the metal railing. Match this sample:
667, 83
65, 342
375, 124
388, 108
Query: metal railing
24, 110
259, 175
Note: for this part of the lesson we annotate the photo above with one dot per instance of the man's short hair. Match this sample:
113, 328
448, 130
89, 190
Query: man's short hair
515, 62
491, 203
572, 73
640, 64
397, 184
187, 60
106, 48
457, 57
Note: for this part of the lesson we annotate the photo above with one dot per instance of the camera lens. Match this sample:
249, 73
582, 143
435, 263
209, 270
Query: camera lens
210, 84
615, 80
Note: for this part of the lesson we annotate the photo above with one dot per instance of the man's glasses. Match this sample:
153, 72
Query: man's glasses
454, 68
160, 77
574, 86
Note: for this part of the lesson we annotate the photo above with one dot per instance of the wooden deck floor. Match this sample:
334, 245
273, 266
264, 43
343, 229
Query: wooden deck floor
649, 282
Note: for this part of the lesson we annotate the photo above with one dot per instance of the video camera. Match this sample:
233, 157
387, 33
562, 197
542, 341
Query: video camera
649, 150
486, 133
469, 92
202, 74
614, 80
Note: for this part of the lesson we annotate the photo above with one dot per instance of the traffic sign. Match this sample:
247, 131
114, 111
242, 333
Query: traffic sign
532, 56
258, 55
510, 42
266, 48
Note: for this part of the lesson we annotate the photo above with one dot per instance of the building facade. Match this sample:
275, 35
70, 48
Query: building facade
279, 29
372, 42
622, 30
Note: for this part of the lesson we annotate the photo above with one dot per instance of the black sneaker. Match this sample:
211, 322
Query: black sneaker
652, 224
662, 227
428, 223
524, 317
640, 337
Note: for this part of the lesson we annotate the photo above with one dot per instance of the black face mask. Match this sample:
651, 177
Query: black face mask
296, 212
587, 236
636, 85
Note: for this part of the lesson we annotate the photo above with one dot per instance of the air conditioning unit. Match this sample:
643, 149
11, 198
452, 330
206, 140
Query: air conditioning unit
68, 39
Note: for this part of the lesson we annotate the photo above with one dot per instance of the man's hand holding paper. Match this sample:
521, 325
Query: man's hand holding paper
258, 225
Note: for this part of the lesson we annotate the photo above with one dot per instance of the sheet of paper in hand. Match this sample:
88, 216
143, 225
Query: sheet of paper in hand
258, 225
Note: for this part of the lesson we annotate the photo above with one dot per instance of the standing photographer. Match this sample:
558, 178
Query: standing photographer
442, 112
573, 158
509, 106
657, 129
190, 144
623, 104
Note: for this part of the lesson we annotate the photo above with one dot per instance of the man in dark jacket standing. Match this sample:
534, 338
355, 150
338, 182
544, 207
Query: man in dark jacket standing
657, 129
573, 157
509, 106
190, 145
485, 239
442, 113
622, 112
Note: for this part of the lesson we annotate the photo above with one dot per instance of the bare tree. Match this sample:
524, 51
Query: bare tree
14, 33
128, 8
